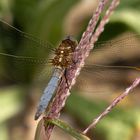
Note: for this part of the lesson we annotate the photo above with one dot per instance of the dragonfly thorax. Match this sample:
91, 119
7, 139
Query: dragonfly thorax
63, 54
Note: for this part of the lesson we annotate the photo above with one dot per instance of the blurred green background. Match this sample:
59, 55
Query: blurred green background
50, 21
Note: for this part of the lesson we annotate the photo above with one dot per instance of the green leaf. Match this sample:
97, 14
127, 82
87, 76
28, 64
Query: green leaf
64, 126
40, 131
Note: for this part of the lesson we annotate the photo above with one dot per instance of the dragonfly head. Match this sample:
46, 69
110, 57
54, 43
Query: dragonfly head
70, 41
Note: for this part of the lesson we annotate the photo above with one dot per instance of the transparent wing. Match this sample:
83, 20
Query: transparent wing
22, 69
111, 67
22, 52
22, 55
21, 34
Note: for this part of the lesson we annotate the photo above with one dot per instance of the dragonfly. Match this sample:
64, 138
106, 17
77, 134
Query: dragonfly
62, 60
102, 68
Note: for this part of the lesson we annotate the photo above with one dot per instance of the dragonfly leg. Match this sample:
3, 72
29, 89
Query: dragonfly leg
65, 74
66, 78
74, 61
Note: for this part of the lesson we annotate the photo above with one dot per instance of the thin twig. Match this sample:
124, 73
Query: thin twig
104, 21
112, 105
